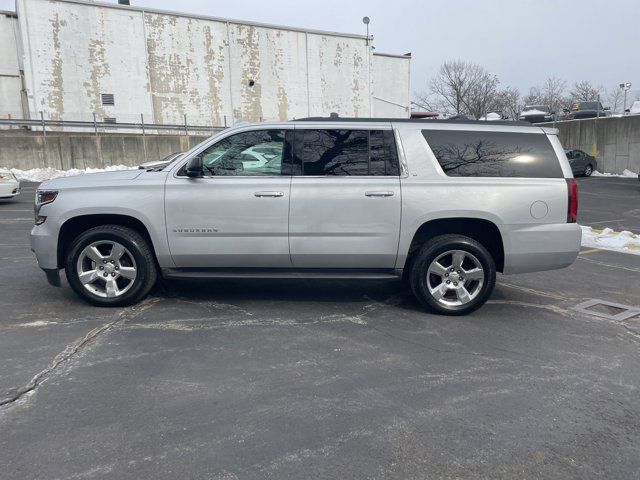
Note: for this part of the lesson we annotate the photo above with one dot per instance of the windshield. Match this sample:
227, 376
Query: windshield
541, 108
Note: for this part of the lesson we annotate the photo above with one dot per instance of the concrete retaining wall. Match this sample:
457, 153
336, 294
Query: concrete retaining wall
27, 150
614, 141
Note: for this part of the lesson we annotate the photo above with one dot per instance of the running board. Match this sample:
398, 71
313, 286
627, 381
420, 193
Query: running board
324, 274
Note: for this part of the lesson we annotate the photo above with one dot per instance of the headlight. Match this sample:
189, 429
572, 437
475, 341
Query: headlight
6, 176
42, 198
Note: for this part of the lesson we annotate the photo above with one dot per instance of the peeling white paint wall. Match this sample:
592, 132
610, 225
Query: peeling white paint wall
391, 89
74, 53
10, 83
214, 71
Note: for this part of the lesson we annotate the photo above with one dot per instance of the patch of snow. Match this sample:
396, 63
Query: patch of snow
527, 113
38, 323
42, 174
491, 117
607, 239
625, 173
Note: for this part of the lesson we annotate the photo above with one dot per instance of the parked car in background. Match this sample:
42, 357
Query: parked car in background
582, 164
492, 117
9, 184
444, 204
581, 109
537, 114
160, 163
634, 109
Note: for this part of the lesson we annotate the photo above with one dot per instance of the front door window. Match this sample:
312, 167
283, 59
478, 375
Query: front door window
253, 153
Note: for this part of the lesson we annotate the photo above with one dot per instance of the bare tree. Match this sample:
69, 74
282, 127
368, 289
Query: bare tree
551, 93
615, 98
507, 101
460, 87
481, 97
585, 91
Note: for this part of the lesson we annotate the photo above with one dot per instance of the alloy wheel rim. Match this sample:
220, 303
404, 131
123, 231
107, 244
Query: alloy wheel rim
106, 268
455, 278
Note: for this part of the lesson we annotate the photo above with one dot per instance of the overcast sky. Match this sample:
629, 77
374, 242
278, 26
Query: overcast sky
521, 41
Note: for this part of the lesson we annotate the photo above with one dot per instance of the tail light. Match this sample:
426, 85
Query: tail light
572, 205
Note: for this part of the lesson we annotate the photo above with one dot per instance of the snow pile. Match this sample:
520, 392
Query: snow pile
626, 173
608, 239
42, 174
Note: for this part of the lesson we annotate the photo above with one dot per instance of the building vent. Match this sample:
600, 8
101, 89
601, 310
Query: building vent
109, 120
107, 99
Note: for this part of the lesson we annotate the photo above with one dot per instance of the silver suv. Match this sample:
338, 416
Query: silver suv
442, 204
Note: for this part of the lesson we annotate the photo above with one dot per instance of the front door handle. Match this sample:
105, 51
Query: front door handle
269, 194
383, 193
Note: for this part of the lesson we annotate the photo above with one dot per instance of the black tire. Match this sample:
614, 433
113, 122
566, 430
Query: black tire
588, 170
146, 272
431, 251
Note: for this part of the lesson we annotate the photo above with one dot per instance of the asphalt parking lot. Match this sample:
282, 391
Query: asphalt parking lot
310, 379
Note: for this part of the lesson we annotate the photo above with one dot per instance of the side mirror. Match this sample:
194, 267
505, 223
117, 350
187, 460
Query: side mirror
565, 110
628, 110
194, 168
552, 113
606, 109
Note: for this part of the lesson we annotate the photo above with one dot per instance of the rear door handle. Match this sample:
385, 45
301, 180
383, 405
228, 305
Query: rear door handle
269, 194
382, 193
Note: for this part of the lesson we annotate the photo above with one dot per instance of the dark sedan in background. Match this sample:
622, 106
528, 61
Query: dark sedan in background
586, 110
582, 164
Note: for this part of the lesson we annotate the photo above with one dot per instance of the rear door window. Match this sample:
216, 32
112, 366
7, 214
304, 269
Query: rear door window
345, 153
493, 154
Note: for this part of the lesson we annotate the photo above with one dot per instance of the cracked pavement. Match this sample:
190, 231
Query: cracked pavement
317, 379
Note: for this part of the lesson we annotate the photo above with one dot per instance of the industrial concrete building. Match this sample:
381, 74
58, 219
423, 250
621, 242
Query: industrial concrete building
70, 59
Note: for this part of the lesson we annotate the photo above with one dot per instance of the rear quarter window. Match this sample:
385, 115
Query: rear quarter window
493, 154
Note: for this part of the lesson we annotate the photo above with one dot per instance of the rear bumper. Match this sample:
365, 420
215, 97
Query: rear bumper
535, 248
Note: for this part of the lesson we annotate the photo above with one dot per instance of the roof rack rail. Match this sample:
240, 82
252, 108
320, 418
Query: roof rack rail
514, 123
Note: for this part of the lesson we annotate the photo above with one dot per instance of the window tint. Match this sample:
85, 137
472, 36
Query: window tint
345, 152
258, 152
333, 152
493, 154
384, 156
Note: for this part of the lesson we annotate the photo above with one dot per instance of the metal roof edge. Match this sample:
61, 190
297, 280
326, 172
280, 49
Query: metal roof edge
135, 8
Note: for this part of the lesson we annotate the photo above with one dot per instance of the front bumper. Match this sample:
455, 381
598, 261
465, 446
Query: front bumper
44, 243
53, 276
9, 190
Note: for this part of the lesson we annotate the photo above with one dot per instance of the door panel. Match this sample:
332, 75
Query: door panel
345, 207
228, 222
344, 222
237, 216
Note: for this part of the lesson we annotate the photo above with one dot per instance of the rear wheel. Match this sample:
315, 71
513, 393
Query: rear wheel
453, 275
111, 265
588, 170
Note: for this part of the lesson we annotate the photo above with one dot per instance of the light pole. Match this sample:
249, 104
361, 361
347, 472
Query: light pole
366, 21
625, 87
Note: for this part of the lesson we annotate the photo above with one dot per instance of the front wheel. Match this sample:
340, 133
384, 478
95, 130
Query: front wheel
453, 275
588, 170
110, 266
